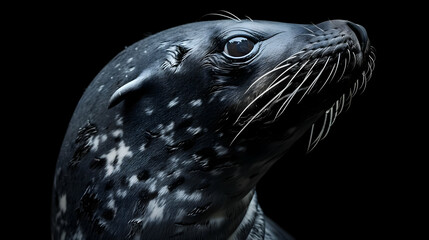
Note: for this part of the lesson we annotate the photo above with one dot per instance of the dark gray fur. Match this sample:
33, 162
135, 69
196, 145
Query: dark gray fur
154, 151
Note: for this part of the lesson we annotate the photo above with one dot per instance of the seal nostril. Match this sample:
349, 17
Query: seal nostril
360, 33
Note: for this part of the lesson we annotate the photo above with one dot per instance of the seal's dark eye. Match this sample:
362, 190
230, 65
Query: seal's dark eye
238, 47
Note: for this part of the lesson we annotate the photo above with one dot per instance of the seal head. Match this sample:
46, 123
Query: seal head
172, 136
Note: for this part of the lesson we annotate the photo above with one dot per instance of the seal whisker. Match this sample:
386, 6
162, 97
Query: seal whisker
355, 61
338, 64
327, 79
362, 85
342, 100
257, 114
337, 106
249, 18
232, 15
318, 27
311, 136
371, 67
315, 80
280, 76
225, 14
269, 72
272, 100
222, 15
277, 79
355, 87
308, 29
349, 99
308, 75
318, 138
344, 70
259, 96
307, 34
365, 80
286, 103
331, 121
349, 58
290, 57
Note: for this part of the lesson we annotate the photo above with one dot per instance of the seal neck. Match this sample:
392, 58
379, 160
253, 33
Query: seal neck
252, 224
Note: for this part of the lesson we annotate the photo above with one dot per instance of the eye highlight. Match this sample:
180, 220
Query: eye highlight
238, 47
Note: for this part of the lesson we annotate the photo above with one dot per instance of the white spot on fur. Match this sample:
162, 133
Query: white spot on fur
103, 138
183, 196
161, 175
163, 191
174, 159
152, 187
115, 158
167, 133
187, 116
129, 60
94, 141
220, 150
119, 120
111, 204
121, 193
132, 180
173, 102
118, 133
100, 88
117, 65
155, 211
177, 173
196, 103
142, 147
169, 127
63, 203
148, 111
193, 131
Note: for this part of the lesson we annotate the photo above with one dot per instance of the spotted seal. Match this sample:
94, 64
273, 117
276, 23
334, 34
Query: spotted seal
172, 136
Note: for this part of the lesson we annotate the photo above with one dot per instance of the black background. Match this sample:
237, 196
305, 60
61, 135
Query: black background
365, 180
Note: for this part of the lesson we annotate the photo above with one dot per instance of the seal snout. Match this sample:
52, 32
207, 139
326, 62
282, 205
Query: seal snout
360, 33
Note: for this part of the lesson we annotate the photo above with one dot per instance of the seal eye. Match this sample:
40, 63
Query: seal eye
238, 47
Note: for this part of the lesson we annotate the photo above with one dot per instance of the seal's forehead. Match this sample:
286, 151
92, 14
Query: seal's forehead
262, 26
221, 27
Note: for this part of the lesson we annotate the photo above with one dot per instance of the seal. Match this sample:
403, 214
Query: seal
171, 137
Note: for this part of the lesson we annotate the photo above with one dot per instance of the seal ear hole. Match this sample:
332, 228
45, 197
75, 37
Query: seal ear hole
238, 47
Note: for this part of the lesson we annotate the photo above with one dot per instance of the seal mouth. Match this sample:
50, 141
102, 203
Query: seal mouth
323, 77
